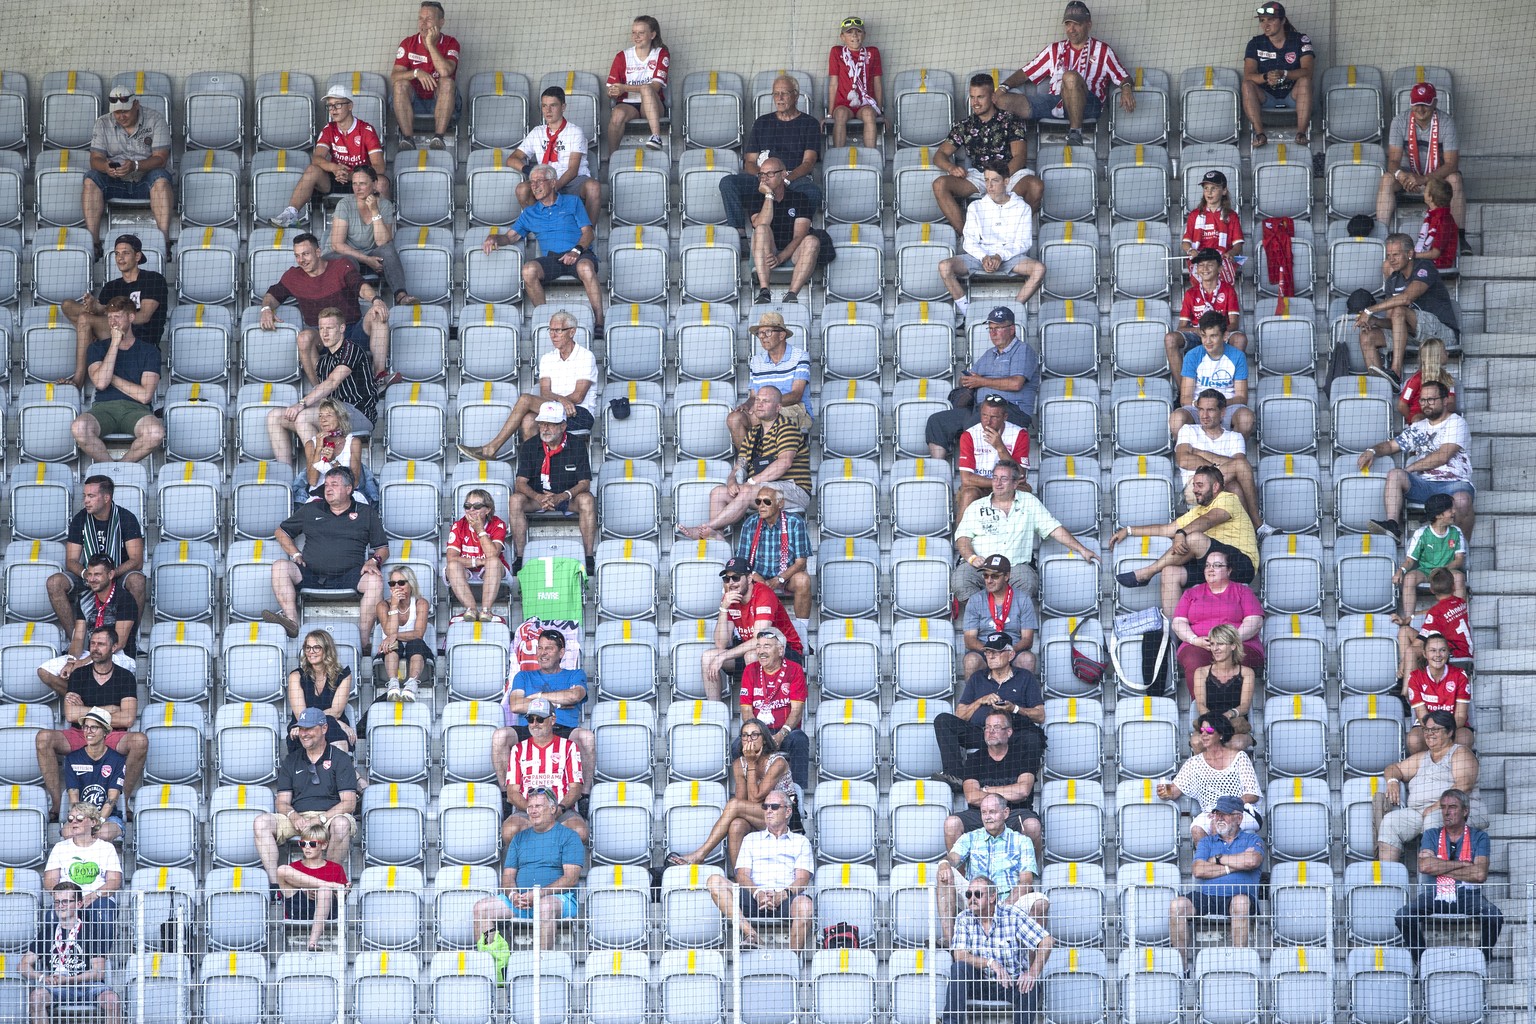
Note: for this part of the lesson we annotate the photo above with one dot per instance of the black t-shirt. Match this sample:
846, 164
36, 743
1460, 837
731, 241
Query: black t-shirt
318, 785
336, 543
987, 772
566, 469
1435, 299
120, 686
132, 365
128, 528
69, 952
795, 204
117, 605
358, 389
787, 140
150, 285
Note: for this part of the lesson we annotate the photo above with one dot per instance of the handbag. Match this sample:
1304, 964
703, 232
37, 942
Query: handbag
1136, 623
1085, 667
1150, 626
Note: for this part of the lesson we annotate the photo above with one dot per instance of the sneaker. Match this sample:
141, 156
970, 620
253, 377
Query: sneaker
278, 618
393, 693
1128, 579
384, 379
517, 565
1075, 137
1391, 378
763, 297
591, 565
791, 297
654, 142
285, 219
437, 143
951, 780
408, 693
1387, 528
1265, 530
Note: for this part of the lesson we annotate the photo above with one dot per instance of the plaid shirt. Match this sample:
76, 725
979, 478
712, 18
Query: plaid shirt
1001, 858
1012, 933
770, 546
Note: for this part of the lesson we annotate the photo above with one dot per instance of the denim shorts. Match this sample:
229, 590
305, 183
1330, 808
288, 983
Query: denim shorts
1419, 489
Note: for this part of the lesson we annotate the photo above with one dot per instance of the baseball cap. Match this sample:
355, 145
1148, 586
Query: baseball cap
1229, 804
98, 715
770, 633
998, 641
1206, 255
1358, 300
539, 707
737, 567
120, 98
1421, 95
1214, 178
309, 718
1077, 11
1270, 11
1000, 315
135, 242
550, 412
996, 563
339, 92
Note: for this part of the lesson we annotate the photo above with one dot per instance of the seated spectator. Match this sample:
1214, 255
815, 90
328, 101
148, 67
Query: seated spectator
316, 785
560, 145
1007, 522
1215, 523
565, 233
637, 82
1227, 869
408, 634
999, 685
1010, 369
746, 606
345, 144
998, 953
1438, 544
1277, 73
773, 691
1219, 601
145, 289
1225, 686
1439, 237
1008, 764
1206, 442
125, 373
98, 688
477, 556
758, 771
344, 549
855, 86
780, 364
363, 230
785, 132
333, 444
1207, 293
992, 439
423, 81
781, 218
1080, 69
777, 544
543, 860
564, 690
343, 376
1401, 817
543, 763
1216, 770
999, 231
1456, 856
83, 857
1422, 146
1436, 461
67, 964
1431, 368
101, 527
101, 604
130, 159
997, 853
321, 681
1417, 307
312, 886
553, 479
1215, 366
1438, 686
998, 607
989, 135
1214, 225
567, 375
93, 778
775, 454
333, 287
773, 873
1447, 617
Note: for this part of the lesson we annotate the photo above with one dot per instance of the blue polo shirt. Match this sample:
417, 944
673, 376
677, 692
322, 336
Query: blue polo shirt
558, 225
1238, 882
536, 682
1017, 359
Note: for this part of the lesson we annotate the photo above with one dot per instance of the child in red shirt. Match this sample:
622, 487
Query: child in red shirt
1448, 617
855, 89
1439, 238
311, 885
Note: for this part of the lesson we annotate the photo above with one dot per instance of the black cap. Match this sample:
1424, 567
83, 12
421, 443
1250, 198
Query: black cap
1214, 177
1077, 11
998, 641
996, 563
1000, 315
1358, 300
737, 567
135, 242
1206, 255
1360, 225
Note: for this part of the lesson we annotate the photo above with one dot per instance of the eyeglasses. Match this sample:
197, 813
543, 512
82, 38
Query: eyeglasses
472, 506
753, 735
771, 330
732, 578
763, 501
541, 791
975, 894
397, 583
561, 330
310, 842
853, 23
768, 174
994, 575
314, 647
338, 104
65, 899
775, 806
1426, 727
1217, 565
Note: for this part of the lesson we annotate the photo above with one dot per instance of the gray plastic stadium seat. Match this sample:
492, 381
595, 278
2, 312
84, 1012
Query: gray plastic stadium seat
629, 493
625, 732
305, 987
626, 574
710, 256
253, 402
285, 110
1454, 984
195, 416
44, 413
637, 185
234, 987
1364, 565
498, 108
423, 187
198, 342
391, 904
180, 660
462, 984
1138, 180
57, 176
247, 738
919, 250
1069, 416
1405, 78
469, 822
1073, 813
1147, 828
712, 103
1282, 181
1145, 892
1056, 654
270, 255
71, 104
1140, 407
638, 264
215, 109
843, 984
1351, 99
1287, 408
61, 263
1301, 902
1372, 725
1148, 123
1143, 488
689, 809
13, 170
850, 419
852, 177
697, 739
1209, 98
23, 647
1146, 736
426, 255
14, 93
1380, 984
920, 569
1229, 982
394, 820
913, 173
189, 498
383, 983
1285, 337
1075, 728
22, 823
166, 819
846, 822
1354, 263
1070, 176
488, 339
1075, 986
699, 174
1138, 326
920, 99
1292, 573
1353, 173
857, 275
492, 186
1070, 252
185, 579
1362, 414
1303, 274
851, 340
621, 823
848, 577
176, 734
1296, 735
847, 738
1298, 813
1151, 985
274, 173
42, 500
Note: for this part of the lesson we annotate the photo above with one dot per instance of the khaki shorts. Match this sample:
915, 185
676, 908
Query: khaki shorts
118, 417
797, 415
286, 831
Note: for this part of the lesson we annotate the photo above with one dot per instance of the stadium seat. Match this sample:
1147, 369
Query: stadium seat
61, 264
1353, 175
409, 496
1298, 809
1138, 182
848, 578
850, 419
1351, 99
195, 416
1454, 985
427, 257
57, 177
1146, 891
210, 188
920, 576
847, 738
851, 179
412, 416
1362, 414
689, 809
857, 275
924, 657
1070, 176
1303, 274
1140, 258
1209, 98
498, 109
1143, 490
616, 985
848, 656
1364, 565
1151, 985
1070, 252
1148, 123
920, 100
478, 655
712, 104
629, 493
846, 821
22, 825
234, 987
1140, 407
166, 832
469, 821
384, 986
232, 814
690, 918
28, 564
1292, 568
697, 739
1290, 492
23, 647
247, 738
851, 340
1372, 725
1147, 731
1380, 984
1074, 728
1229, 982
1054, 642
418, 343
699, 172
914, 748
912, 403
176, 734
1282, 181
394, 823
72, 100
913, 173
626, 732
198, 342
638, 264
14, 93
1301, 897
709, 255
1354, 263
285, 110
637, 184
463, 986
1147, 827
455, 890
843, 984
1073, 813
919, 250
42, 500
914, 908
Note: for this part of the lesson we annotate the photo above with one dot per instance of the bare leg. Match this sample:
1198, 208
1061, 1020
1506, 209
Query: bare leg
586, 273
1301, 92
87, 434
313, 178
51, 745
162, 200
135, 749
285, 584
339, 847
265, 832
58, 599
458, 585
1238, 909
618, 120
372, 589
735, 809
517, 524
148, 435
1386, 199
800, 923
949, 189
376, 324
487, 912
1032, 271
950, 272
309, 354
442, 108
1074, 97
533, 282
92, 204
405, 115
1179, 913
502, 742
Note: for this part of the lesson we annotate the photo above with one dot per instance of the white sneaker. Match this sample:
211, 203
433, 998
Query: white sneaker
409, 693
1265, 531
286, 219
393, 693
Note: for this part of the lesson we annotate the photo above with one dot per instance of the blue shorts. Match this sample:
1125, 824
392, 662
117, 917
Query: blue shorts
118, 188
1419, 489
1217, 904
567, 900
1045, 105
76, 995
1269, 100
426, 106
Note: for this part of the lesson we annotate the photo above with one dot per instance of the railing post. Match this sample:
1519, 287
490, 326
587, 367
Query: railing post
341, 956
538, 948
138, 916
1530, 951
933, 951
734, 940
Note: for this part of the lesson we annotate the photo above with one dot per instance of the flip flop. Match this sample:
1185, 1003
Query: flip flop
1302, 139
1260, 140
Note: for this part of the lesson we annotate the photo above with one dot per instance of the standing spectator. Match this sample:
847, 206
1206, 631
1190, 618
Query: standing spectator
93, 777
564, 691
1436, 461
68, 962
1456, 856
312, 886
565, 233
637, 82
1206, 293
1213, 224
345, 548
316, 785
102, 603
775, 454
1421, 146
408, 634
146, 289
1206, 442
773, 873
423, 80
997, 853
83, 856
780, 364
1007, 522
363, 229
542, 763
1225, 686
1439, 235
130, 159
567, 376
477, 555
1409, 803
990, 135
1229, 863
1417, 308
553, 478
998, 953
99, 689
125, 374
1217, 769
335, 443
343, 373
998, 607
758, 771
786, 133
773, 692
320, 286
1080, 68
855, 88
543, 862
999, 231
1277, 73
1432, 367
777, 545
1216, 365
562, 147
1438, 686
1010, 369
321, 681
345, 143
782, 232
1438, 544
1007, 764
745, 607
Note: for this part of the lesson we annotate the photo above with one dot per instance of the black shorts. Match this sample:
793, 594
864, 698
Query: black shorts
1017, 816
554, 269
301, 907
1240, 564
417, 648
750, 909
311, 580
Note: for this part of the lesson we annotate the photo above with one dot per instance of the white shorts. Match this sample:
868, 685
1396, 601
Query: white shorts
55, 666
977, 177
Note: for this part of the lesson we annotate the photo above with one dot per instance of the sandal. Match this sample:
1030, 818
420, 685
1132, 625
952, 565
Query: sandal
675, 860
1303, 139
1260, 140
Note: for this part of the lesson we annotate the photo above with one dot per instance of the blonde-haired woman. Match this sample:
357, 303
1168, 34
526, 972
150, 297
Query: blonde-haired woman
408, 633
1431, 367
334, 445
1225, 686
321, 681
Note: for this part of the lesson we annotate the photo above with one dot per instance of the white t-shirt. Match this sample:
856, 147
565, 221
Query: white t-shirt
1420, 439
1229, 445
571, 141
86, 866
564, 374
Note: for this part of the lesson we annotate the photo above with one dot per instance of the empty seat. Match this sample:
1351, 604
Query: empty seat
1372, 725
1292, 567
637, 182
61, 264
1289, 492
1287, 408
699, 174
712, 104
285, 110
42, 500
1298, 809
1295, 652
852, 177
14, 93
1074, 728
215, 109
1148, 123
919, 250
1352, 175
234, 987
1380, 984
920, 576
1140, 252
638, 264
920, 101
394, 820
1362, 414
232, 816
1138, 182
1209, 97
1351, 97
1354, 263
857, 275
1364, 565
246, 742
1073, 813
845, 821
57, 178
913, 173
498, 108
1282, 181
1070, 176
28, 564
71, 104
1070, 252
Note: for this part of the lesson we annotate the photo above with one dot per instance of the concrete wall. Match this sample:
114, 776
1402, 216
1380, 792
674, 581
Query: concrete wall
1481, 42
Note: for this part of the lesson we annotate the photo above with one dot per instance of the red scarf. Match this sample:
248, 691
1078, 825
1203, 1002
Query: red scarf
1000, 622
1432, 158
1445, 885
783, 543
552, 155
549, 453
102, 604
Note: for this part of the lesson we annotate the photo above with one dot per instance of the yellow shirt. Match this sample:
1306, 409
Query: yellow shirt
1236, 532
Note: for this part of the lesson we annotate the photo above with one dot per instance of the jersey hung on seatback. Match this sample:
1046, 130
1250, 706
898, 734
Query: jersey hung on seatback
552, 588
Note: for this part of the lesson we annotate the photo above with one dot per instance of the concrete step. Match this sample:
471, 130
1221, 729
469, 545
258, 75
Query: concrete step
1521, 267
1514, 344
1509, 306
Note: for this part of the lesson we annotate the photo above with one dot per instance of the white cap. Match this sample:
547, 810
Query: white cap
550, 412
338, 92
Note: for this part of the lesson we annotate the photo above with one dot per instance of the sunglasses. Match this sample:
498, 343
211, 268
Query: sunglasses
541, 791
472, 506
775, 806
310, 842
397, 583
74, 820
539, 718
762, 501
853, 23
733, 578
994, 575
976, 894
1208, 730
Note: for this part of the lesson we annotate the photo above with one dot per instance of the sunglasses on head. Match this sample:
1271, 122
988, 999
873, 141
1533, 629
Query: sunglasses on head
853, 23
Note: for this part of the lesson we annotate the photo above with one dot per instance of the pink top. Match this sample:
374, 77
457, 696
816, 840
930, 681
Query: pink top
1205, 610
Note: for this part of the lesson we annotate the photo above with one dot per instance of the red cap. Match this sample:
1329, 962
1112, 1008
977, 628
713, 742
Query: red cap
1422, 95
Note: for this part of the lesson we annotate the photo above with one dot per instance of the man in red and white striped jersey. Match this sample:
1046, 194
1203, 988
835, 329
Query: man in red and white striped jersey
1081, 70
543, 763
